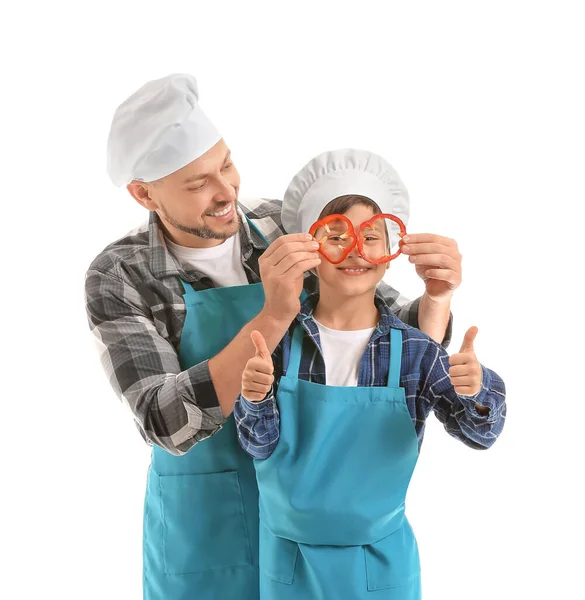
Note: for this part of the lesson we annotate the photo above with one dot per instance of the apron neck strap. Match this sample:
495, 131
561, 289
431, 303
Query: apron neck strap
395, 358
296, 347
188, 288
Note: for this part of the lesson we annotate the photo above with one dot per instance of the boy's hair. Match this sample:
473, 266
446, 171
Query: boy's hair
342, 204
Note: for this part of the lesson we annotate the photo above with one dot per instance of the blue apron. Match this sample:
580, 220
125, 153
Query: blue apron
201, 509
332, 522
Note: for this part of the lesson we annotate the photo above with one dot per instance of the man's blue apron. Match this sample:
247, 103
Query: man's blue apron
201, 509
332, 494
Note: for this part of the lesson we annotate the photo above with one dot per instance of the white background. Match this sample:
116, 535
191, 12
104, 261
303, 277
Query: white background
478, 105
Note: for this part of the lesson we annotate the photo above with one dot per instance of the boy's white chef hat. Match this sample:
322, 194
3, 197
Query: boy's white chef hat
158, 130
338, 173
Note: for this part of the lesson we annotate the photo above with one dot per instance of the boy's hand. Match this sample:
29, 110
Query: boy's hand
465, 371
258, 376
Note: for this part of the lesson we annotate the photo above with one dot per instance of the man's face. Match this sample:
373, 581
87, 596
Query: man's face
197, 204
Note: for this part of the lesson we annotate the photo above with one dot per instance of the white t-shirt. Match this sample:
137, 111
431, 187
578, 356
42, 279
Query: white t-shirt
342, 352
222, 263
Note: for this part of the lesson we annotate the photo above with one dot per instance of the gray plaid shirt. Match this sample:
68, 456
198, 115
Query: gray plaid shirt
135, 308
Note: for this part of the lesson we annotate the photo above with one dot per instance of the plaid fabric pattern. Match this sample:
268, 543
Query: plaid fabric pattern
424, 375
135, 308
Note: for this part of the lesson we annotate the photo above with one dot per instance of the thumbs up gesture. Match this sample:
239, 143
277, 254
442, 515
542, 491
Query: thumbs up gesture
258, 376
465, 371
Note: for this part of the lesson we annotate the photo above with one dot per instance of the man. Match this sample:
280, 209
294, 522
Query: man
172, 306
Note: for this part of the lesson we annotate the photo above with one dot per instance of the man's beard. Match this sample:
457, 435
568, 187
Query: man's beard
206, 233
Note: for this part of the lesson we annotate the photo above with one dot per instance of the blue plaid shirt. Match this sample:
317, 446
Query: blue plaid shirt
424, 375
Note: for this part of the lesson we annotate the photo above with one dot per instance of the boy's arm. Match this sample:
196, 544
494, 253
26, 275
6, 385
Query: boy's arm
476, 420
258, 423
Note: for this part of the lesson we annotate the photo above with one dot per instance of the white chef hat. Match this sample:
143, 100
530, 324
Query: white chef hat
158, 130
338, 173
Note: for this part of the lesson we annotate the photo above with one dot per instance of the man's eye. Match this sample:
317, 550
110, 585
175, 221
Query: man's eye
227, 166
195, 189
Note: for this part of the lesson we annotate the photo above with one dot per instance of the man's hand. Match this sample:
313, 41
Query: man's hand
282, 270
437, 261
258, 375
465, 371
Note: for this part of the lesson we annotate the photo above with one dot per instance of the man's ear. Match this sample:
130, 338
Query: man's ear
141, 193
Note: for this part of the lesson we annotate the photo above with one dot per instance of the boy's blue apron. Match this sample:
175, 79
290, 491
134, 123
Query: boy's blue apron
332, 493
201, 509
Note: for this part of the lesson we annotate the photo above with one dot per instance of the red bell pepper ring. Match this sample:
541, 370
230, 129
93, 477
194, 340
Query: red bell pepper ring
369, 224
324, 222
357, 238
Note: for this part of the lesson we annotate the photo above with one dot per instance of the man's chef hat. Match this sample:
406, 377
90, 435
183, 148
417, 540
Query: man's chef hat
158, 130
338, 173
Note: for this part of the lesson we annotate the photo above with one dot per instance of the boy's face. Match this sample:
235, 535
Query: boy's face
354, 276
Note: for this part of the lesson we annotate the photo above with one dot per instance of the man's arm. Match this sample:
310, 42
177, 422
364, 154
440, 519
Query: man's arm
429, 316
175, 409
437, 261
435, 319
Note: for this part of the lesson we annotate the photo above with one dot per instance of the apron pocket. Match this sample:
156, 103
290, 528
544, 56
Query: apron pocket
204, 526
393, 561
278, 556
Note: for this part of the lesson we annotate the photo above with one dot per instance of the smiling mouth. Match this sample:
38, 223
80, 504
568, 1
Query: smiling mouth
223, 212
354, 270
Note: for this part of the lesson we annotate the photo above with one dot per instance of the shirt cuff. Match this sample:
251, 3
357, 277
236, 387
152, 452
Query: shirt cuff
263, 408
483, 398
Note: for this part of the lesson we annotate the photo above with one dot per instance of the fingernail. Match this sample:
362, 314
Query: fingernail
406, 249
309, 236
406, 239
315, 245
